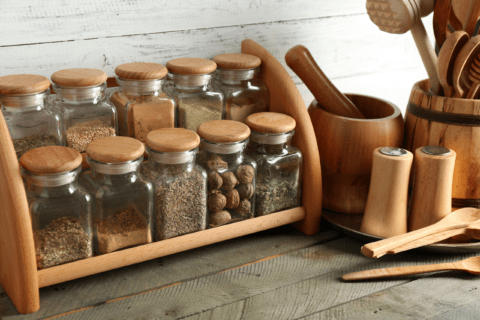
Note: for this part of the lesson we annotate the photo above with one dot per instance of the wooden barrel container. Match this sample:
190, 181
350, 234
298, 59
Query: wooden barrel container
346, 148
451, 123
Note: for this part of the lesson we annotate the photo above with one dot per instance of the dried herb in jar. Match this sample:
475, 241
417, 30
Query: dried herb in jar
180, 205
79, 135
273, 195
125, 228
25, 144
63, 240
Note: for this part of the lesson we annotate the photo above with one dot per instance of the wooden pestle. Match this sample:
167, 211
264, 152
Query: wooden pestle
327, 95
400, 16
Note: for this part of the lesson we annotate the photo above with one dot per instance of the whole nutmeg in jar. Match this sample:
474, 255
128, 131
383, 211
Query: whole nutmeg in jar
231, 172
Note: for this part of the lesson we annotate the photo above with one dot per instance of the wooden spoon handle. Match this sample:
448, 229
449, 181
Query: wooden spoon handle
380, 248
434, 238
441, 15
428, 55
398, 271
472, 92
327, 95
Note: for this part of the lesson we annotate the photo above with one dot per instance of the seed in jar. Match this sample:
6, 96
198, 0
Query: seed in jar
245, 174
215, 181
216, 202
233, 199
219, 218
80, 135
245, 190
25, 144
229, 181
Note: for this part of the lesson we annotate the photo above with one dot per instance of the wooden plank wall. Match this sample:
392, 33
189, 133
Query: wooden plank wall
41, 37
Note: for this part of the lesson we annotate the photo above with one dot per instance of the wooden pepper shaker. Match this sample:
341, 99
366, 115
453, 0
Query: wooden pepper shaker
386, 209
432, 186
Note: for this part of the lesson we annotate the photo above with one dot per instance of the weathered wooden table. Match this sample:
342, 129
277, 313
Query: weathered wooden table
276, 274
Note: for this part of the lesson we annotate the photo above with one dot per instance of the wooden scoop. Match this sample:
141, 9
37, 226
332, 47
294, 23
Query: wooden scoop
327, 95
462, 218
400, 16
470, 265
446, 59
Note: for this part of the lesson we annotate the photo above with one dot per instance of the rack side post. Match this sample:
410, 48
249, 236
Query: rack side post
284, 97
18, 267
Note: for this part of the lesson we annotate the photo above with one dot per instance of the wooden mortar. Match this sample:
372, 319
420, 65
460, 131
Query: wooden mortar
451, 123
346, 146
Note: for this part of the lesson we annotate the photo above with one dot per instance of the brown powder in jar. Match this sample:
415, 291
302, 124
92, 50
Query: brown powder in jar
63, 240
138, 115
148, 116
242, 108
80, 135
25, 144
126, 228
194, 112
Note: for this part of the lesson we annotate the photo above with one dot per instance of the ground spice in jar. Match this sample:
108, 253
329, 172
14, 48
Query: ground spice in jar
80, 135
25, 144
180, 205
275, 196
192, 113
63, 240
125, 228
142, 114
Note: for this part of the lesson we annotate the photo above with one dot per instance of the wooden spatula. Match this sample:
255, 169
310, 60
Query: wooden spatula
470, 265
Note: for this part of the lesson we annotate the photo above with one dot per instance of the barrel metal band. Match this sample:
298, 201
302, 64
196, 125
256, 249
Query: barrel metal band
462, 203
444, 117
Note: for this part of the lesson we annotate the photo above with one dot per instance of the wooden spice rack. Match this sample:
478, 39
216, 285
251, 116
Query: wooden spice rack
19, 276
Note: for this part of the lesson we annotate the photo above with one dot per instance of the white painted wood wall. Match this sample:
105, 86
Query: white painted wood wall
41, 37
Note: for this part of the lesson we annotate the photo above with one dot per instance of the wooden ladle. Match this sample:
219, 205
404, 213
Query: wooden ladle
446, 59
327, 95
461, 218
470, 265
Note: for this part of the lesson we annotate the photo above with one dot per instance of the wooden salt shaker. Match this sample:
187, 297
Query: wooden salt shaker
432, 187
386, 209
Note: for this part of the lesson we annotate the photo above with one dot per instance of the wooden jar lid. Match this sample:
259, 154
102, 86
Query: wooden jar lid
79, 77
223, 131
237, 61
115, 149
191, 66
172, 140
55, 159
23, 84
270, 122
141, 71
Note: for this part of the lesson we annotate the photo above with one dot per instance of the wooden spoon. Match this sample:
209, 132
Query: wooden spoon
461, 218
446, 59
461, 67
470, 265
400, 16
327, 95
471, 17
473, 232
441, 16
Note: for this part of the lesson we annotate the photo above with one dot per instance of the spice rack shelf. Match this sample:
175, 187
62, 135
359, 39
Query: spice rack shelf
19, 276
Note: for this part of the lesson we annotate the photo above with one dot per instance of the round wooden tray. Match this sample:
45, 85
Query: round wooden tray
350, 225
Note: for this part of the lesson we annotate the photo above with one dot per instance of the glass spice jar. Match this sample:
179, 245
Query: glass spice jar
80, 99
231, 173
279, 171
190, 85
237, 78
30, 122
123, 199
180, 184
60, 208
141, 104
